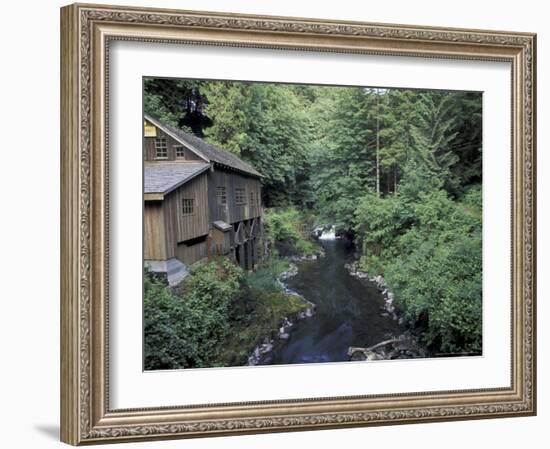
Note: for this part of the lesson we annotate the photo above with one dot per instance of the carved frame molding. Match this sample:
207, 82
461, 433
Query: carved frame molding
87, 31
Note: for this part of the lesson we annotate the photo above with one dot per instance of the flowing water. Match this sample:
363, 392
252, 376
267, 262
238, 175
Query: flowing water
349, 312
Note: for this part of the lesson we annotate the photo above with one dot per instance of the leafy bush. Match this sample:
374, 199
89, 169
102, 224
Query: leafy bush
440, 283
378, 223
429, 250
185, 330
216, 317
165, 315
264, 279
285, 230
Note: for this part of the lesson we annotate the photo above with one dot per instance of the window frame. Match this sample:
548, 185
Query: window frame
221, 194
187, 211
240, 196
179, 147
157, 140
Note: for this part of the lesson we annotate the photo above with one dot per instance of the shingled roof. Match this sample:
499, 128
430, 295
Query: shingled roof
163, 177
207, 151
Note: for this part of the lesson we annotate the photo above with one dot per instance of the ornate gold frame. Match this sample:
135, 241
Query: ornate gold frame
86, 31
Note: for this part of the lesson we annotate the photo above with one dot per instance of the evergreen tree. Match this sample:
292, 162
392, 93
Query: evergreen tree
344, 161
433, 136
177, 102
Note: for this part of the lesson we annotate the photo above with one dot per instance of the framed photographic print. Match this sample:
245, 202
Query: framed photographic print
278, 224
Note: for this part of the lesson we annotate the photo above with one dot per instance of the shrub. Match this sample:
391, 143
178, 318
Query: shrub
264, 279
216, 317
429, 251
185, 329
285, 229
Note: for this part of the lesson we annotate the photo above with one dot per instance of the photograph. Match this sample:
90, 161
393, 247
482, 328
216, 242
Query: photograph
300, 223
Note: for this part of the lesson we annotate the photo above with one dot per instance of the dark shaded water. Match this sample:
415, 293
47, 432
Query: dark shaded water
349, 312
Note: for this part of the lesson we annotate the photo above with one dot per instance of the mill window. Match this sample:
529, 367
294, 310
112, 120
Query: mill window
188, 206
240, 196
221, 195
180, 153
161, 149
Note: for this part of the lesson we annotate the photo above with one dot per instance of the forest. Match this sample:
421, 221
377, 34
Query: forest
398, 172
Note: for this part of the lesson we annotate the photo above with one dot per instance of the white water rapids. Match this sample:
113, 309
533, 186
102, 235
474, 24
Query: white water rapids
328, 234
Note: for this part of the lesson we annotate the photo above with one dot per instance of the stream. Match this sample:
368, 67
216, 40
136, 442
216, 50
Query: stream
349, 312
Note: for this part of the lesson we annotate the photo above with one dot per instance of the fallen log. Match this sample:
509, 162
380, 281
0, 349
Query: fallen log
353, 349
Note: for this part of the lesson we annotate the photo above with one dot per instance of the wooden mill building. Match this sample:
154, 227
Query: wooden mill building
199, 201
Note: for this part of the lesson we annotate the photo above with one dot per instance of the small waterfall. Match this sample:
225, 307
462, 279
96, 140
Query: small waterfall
328, 234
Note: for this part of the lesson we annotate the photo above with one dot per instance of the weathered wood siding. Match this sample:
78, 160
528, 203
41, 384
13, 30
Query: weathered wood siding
232, 212
154, 246
221, 242
150, 150
180, 227
190, 237
190, 254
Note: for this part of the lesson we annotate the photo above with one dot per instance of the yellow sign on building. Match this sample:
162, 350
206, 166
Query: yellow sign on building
149, 130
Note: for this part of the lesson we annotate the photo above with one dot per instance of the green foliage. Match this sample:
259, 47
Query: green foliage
259, 316
216, 317
317, 145
287, 230
440, 282
433, 135
267, 125
185, 330
165, 330
264, 279
380, 221
343, 158
261, 312
319, 149
176, 102
430, 254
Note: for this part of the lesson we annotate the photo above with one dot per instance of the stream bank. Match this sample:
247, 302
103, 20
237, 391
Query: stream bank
261, 353
349, 312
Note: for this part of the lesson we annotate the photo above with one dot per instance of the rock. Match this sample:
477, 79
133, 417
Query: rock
265, 348
291, 272
254, 358
262, 352
372, 356
358, 356
352, 269
311, 257
393, 355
